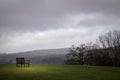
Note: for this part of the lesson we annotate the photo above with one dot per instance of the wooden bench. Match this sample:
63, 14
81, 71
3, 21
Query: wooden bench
22, 62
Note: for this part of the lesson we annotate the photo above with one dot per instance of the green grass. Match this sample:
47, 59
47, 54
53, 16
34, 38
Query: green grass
59, 72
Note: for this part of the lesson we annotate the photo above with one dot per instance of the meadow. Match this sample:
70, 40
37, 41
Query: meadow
58, 72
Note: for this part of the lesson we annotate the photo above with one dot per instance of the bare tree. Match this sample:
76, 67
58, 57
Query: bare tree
105, 52
76, 54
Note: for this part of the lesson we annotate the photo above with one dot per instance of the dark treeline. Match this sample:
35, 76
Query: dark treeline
105, 52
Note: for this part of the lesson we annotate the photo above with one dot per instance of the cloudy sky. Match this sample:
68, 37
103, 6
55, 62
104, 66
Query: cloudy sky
46, 24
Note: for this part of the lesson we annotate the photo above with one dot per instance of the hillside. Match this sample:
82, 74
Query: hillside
55, 56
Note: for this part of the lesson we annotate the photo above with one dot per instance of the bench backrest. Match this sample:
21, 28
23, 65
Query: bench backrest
20, 60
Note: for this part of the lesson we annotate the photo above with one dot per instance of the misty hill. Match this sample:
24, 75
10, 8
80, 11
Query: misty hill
42, 52
52, 56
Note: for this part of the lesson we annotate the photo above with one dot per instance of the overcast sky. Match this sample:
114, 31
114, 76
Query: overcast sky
45, 24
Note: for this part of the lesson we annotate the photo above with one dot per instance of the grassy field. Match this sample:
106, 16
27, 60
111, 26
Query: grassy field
59, 72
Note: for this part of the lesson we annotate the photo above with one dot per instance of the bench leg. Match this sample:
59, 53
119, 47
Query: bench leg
21, 64
16, 65
28, 65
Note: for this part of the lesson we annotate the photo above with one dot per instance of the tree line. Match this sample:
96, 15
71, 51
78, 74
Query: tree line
105, 51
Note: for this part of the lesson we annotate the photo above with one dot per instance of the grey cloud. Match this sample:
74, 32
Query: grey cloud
96, 20
90, 16
43, 40
42, 14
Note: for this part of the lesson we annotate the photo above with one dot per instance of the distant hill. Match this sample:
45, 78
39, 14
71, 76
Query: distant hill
47, 56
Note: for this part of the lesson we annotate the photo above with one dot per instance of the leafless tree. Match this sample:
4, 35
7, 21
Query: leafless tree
105, 52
